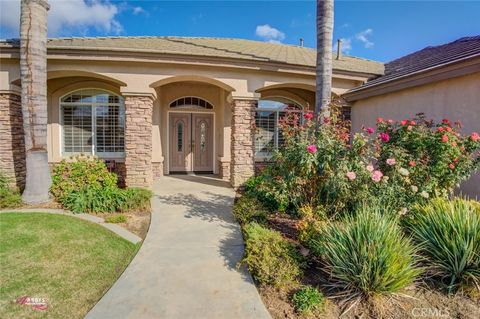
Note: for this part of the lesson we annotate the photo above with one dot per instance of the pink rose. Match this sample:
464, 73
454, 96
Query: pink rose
384, 137
379, 120
390, 121
391, 161
444, 138
308, 116
351, 175
311, 149
404, 122
474, 136
370, 130
377, 176
370, 168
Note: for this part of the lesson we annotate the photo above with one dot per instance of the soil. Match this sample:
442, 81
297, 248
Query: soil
419, 301
137, 222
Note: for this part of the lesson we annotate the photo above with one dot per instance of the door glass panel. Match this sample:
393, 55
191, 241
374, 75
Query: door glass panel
203, 137
180, 137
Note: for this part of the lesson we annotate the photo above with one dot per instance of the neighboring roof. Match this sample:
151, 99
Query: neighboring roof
427, 59
211, 47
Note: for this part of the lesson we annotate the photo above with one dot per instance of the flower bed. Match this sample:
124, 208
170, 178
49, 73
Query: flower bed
341, 203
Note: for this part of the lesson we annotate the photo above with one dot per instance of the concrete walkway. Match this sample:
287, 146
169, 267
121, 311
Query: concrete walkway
186, 267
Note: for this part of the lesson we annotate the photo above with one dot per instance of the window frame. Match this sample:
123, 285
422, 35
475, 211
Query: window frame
263, 155
208, 105
93, 106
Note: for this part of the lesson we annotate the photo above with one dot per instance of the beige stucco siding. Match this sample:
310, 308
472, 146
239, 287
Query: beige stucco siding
457, 99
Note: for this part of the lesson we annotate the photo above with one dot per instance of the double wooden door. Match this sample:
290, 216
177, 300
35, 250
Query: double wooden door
191, 142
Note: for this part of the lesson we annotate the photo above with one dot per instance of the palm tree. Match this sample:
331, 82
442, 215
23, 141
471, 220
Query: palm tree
324, 57
33, 74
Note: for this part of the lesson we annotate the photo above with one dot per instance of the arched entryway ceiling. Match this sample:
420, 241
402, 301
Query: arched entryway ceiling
302, 86
192, 78
77, 73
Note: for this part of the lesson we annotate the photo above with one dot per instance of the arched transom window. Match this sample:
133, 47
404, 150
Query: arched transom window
191, 102
93, 123
268, 135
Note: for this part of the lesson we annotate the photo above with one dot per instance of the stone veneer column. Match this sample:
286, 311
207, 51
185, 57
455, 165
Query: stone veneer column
138, 141
242, 158
12, 146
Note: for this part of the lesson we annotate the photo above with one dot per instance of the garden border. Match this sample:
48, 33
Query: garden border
122, 232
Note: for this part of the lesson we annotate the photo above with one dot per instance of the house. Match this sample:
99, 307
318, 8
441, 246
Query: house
163, 105
441, 81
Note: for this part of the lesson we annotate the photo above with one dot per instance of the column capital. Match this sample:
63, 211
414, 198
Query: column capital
139, 94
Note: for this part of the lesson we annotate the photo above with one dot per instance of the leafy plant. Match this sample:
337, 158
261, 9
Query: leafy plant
84, 185
116, 219
367, 254
272, 198
77, 173
271, 259
248, 208
308, 300
9, 197
448, 232
135, 198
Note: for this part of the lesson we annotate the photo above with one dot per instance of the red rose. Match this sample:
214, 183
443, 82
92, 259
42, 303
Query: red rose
451, 166
308, 116
379, 120
412, 123
444, 138
445, 121
440, 129
412, 163
404, 122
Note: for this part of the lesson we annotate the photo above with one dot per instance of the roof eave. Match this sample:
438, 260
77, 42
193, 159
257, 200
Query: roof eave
439, 72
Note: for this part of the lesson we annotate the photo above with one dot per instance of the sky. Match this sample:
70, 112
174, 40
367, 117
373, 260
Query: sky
377, 30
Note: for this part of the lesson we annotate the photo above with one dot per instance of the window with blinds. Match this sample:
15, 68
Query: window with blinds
268, 135
93, 122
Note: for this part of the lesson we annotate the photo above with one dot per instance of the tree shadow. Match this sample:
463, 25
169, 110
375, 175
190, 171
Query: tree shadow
215, 208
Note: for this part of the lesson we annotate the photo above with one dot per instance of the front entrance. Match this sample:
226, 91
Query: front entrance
191, 142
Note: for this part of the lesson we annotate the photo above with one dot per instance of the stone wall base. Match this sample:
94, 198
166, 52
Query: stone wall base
12, 145
138, 141
157, 170
242, 147
224, 170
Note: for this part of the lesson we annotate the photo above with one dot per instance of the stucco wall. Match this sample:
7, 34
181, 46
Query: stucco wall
457, 99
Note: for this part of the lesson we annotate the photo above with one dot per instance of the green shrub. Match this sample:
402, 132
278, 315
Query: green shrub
260, 187
84, 185
9, 198
448, 233
248, 208
367, 254
116, 219
78, 174
271, 259
308, 300
135, 198
94, 200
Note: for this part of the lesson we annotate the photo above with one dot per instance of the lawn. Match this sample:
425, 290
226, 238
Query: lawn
68, 261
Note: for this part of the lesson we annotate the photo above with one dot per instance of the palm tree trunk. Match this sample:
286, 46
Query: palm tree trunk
33, 74
324, 58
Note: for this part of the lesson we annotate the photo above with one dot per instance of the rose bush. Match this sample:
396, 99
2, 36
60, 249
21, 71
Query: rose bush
397, 164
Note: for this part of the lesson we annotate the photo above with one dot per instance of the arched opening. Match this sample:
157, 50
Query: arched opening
92, 122
191, 102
